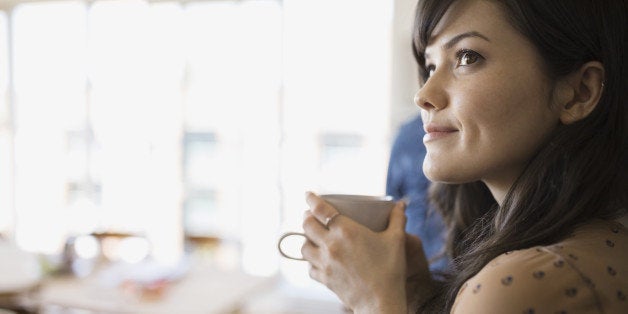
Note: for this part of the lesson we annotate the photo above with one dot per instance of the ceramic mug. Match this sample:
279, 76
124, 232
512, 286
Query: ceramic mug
370, 211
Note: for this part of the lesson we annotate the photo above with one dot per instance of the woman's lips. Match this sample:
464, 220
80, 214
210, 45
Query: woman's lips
434, 132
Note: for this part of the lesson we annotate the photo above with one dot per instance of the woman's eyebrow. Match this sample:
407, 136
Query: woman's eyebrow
454, 40
462, 36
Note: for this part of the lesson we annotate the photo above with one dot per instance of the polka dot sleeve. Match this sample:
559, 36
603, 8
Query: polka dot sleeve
583, 274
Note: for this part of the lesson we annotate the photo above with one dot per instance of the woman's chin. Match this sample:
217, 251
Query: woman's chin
447, 176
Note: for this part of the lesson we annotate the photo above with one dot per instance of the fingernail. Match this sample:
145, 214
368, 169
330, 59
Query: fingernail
404, 203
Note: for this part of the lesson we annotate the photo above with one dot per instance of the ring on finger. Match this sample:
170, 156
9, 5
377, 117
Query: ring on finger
329, 219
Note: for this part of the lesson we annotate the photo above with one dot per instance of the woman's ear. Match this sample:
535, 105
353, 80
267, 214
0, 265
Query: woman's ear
579, 92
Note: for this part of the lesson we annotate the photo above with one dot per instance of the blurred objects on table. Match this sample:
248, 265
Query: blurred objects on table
114, 273
20, 274
191, 286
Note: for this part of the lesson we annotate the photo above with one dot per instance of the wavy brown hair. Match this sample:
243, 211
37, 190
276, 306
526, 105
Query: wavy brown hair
580, 174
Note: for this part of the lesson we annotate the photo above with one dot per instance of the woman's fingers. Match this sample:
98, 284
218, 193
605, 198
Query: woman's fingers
350, 259
398, 218
315, 223
315, 273
314, 230
323, 212
311, 253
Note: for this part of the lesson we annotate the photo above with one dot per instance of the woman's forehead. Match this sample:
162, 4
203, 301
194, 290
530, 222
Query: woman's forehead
468, 16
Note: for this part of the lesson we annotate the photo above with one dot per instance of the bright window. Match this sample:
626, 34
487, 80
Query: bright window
6, 141
336, 104
203, 118
49, 102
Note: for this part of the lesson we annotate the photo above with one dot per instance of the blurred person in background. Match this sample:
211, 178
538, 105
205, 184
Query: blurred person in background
405, 180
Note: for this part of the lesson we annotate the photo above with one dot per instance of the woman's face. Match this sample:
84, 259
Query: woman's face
486, 106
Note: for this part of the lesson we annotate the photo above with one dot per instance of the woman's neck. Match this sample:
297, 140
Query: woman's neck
500, 185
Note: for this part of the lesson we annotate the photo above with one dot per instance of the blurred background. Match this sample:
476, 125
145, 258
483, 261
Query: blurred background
141, 139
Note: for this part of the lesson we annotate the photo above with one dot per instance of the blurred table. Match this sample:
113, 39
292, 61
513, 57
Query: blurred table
203, 289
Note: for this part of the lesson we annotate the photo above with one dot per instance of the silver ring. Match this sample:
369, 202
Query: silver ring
329, 219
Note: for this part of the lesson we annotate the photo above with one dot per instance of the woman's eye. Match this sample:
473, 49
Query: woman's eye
429, 71
467, 57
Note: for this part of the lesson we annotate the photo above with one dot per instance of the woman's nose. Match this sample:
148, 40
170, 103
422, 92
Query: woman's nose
419, 101
430, 97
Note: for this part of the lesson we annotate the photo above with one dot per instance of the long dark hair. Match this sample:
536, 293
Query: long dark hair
580, 174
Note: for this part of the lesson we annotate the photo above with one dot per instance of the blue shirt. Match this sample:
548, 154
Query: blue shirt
406, 180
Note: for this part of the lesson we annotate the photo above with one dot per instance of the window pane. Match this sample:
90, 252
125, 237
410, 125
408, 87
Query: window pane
4, 57
336, 74
136, 64
234, 53
162, 117
49, 77
6, 147
233, 84
336, 103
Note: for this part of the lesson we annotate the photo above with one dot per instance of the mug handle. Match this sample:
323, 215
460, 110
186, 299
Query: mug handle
283, 236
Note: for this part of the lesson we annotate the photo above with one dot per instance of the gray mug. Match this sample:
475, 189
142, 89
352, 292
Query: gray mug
370, 211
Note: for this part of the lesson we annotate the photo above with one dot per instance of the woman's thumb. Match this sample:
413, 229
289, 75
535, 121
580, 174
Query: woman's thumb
398, 216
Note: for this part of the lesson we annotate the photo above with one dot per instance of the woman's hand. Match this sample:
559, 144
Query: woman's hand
366, 269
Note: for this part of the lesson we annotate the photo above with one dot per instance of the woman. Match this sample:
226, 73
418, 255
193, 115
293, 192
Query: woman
524, 104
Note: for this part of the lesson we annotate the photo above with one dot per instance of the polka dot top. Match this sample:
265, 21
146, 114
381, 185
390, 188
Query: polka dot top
585, 273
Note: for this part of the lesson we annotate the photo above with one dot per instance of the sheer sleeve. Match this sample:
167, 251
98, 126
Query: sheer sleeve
534, 280
585, 273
